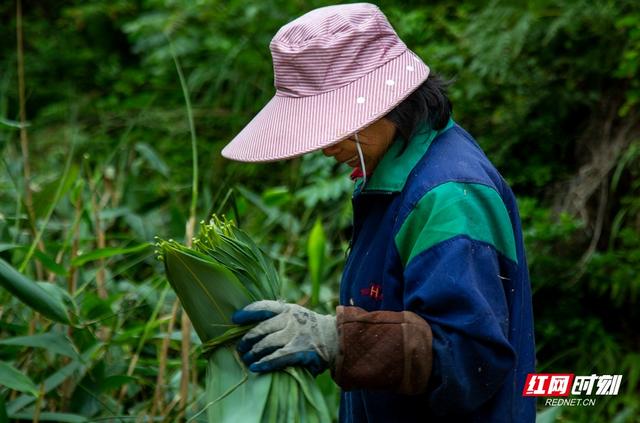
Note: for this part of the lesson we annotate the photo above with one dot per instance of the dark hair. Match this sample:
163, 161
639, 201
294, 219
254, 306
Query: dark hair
428, 103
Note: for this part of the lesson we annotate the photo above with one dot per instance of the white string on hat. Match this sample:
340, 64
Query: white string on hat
364, 169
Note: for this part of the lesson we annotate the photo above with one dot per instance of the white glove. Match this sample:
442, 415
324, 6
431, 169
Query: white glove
287, 335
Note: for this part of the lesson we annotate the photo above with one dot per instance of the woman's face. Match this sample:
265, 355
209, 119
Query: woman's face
375, 140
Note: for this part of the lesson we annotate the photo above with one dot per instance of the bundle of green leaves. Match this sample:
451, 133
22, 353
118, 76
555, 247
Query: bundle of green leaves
224, 271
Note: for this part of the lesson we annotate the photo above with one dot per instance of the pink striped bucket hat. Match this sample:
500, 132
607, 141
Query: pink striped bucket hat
337, 70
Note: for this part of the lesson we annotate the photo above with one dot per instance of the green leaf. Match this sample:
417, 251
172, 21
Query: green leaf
209, 292
276, 196
208, 280
60, 294
6, 246
102, 253
13, 124
313, 397
230, 385
4, 418
285, 219
152, 157
32, 294
50, 263
47, 261
48, 416
115, 382
316, 246
548, 415
55, 342
75, 370
44, 198
14, 379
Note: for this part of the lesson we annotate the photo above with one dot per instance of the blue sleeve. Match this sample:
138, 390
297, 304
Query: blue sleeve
455, 286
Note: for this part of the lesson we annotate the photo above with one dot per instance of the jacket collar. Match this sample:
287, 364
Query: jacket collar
393, 170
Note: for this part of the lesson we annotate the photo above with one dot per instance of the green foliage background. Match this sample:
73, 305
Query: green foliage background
551, 90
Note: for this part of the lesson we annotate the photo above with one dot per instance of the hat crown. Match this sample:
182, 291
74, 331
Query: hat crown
331, 47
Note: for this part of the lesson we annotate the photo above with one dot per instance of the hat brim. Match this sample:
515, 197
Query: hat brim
288, 127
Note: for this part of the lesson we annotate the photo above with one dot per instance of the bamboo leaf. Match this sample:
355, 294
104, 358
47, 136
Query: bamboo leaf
47, 261
32, 294
233, 394
55, 342
59, 294
314, 394
75, 369
233, 333
101, 253
208, 292
14, 379
224, 271
50, 263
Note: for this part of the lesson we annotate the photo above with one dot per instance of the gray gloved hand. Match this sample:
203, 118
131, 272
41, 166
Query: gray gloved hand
288, 335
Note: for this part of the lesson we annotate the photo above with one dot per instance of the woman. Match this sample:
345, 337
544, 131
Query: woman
435, 321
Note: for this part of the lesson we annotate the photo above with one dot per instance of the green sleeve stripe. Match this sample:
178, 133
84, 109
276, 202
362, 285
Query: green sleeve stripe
453, 209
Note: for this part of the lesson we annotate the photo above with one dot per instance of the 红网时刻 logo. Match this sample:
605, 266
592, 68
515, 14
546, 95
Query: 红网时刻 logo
565, 384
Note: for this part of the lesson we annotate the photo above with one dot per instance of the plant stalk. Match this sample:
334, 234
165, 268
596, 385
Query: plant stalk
24, 138
158, 395
185, 323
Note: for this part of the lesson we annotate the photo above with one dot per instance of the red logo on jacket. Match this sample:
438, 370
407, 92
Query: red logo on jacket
374, 291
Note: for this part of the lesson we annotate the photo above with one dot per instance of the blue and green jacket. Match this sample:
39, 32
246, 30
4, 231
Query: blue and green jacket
437, 232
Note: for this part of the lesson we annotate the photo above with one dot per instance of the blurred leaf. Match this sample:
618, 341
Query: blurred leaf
316, 246
152, 157
101, 253
75, 370
14, 379
3, 411
325, 190
283, 218
276, 196
32, 294
43, 198
625, 415
48, 416
13, 123
115, 382
59, 294
548, 415
47, 261
50, 263
6, 246
54, 342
